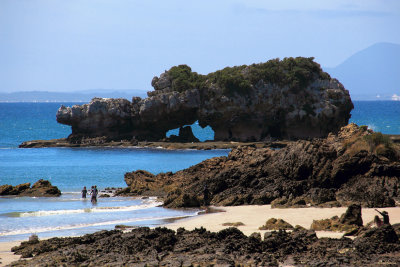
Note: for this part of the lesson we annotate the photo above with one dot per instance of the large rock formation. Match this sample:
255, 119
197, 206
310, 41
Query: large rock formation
292, 98
41, 188
357, 165
229, 247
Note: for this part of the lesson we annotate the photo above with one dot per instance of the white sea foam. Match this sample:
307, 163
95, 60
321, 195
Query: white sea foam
83, 225
372, 127
90, 210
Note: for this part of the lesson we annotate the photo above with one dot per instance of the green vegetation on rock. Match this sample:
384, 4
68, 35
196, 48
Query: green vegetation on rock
184, 79
373, 142
295, 73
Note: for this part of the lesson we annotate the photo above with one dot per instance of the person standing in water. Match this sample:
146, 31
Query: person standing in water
94, 194
84, 192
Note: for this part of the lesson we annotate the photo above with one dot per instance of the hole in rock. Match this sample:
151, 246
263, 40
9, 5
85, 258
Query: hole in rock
203, 134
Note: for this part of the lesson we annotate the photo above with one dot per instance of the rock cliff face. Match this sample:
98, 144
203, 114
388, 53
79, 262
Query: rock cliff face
357, 165
291, 98
41, 188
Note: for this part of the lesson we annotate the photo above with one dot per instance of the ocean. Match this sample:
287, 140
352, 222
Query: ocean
72, 168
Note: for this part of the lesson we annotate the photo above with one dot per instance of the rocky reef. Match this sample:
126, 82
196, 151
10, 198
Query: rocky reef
41, 188
290, 98
229, 247
355, 166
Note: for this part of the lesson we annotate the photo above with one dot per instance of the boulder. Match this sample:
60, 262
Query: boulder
41, 188
352, 216
276, 224
290, 98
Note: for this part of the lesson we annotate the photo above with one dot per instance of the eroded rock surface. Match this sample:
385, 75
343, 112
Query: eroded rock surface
229, 247
357, 165
291, 98
41, 188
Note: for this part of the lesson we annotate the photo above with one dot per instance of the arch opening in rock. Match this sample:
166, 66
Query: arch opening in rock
202, 134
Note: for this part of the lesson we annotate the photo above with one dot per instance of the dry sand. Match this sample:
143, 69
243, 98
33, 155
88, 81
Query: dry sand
255, 216
6, 256
251, 216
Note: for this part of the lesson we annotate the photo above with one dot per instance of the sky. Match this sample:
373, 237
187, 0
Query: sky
72, 45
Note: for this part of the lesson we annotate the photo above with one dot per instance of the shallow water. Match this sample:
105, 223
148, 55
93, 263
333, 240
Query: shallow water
69, 215
72, 168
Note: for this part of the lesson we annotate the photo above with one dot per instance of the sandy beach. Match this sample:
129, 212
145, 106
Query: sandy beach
251, 216
255, 216
6, 256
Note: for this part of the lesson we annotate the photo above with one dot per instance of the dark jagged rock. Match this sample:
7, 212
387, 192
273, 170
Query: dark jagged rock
378, 240
229, 247
352, 215
41, 188
291, 98
318, 172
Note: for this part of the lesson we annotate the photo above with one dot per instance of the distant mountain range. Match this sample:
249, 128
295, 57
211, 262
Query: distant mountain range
81, 96
372, 73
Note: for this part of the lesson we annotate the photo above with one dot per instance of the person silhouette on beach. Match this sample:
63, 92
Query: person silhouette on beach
378, 222
94, 194
385, 216
84, 192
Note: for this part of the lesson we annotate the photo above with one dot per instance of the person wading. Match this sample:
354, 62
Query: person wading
94, 194
84, 192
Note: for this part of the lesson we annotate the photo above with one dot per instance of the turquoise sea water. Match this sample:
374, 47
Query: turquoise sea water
72, 168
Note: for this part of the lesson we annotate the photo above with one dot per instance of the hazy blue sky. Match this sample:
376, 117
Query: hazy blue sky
69, 45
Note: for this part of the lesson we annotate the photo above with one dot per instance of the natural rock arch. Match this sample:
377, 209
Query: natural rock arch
289, 98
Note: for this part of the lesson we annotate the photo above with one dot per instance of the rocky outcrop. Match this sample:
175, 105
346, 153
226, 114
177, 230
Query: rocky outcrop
357, 165
349, 222
276, 224
292, 98
229, 247
41, 188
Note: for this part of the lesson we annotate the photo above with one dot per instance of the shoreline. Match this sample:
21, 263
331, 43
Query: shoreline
252, 216
207, 145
